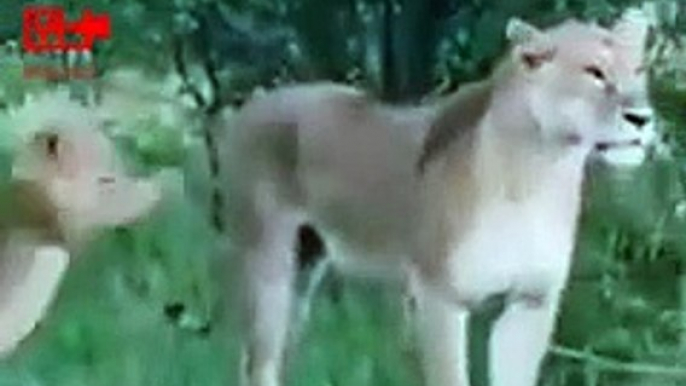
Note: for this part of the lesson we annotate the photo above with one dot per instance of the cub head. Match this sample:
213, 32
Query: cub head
586, 85
66, 156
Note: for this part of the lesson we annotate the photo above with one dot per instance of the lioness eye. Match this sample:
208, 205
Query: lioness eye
595, 72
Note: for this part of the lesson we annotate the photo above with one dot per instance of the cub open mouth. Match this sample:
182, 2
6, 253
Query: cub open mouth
609, 145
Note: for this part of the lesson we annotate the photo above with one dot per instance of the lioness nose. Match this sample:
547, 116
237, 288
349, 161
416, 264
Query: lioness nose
636, 119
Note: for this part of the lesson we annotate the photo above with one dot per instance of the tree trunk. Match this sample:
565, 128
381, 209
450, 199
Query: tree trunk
411, 33
388, 66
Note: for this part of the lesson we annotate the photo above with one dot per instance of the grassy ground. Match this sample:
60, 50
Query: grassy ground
109, 325
143, 306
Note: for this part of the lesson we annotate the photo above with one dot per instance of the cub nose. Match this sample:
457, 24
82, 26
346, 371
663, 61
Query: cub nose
637, 119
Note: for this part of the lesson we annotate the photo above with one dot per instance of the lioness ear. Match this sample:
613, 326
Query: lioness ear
531, 45
632, 28
518, 31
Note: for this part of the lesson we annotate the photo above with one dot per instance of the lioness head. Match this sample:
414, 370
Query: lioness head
587, 84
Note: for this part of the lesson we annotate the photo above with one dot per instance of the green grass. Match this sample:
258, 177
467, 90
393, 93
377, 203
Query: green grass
108, 325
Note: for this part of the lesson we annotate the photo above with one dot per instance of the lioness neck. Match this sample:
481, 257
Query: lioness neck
514, 160
505, 163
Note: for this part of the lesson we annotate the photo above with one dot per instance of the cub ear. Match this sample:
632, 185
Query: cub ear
531, 45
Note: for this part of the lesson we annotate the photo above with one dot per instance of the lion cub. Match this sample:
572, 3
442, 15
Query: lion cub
66, 184
474, 196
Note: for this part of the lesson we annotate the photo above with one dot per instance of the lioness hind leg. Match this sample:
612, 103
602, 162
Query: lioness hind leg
313, 268
442, 332
519, 341
270, 267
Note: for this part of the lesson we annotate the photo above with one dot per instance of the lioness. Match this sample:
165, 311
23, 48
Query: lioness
473, 196
67, 183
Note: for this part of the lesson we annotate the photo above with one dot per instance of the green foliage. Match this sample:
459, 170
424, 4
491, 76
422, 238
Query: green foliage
355, 340
158, 144
13, 85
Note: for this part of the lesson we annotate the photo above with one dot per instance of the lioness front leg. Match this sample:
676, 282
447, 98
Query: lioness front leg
519, 340
443, 337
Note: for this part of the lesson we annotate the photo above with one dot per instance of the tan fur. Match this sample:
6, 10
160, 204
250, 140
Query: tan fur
475, 195
458, 118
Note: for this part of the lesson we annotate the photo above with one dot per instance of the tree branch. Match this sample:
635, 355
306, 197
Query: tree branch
614, 366
182, 70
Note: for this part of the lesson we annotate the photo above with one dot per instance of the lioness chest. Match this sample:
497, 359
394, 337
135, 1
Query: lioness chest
521, 246
512, 247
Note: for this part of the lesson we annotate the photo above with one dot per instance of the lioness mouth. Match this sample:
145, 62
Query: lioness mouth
605, 146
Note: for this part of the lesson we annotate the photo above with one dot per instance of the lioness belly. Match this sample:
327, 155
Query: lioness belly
360, 188
366, 233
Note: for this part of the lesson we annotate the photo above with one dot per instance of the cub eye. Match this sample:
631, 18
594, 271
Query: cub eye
596, 73
50, 144
106, 180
